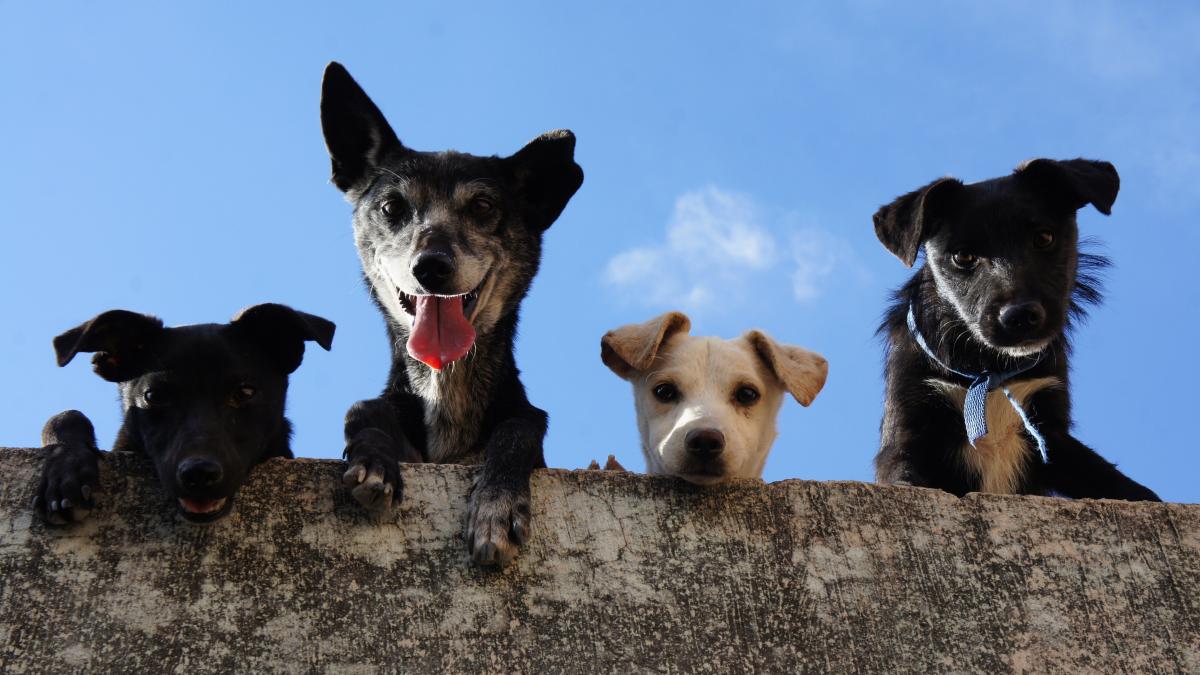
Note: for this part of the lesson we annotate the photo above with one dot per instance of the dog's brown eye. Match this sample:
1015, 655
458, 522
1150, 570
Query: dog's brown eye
1044, 239
243, 393
964, 261
666, 392
154, 397
746, 396
481, 206
391, 208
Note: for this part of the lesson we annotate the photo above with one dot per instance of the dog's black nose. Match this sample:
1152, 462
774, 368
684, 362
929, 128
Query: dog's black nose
1022, 318
704, 443
433, 269
199, 473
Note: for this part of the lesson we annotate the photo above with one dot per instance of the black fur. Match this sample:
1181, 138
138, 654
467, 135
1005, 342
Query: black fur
204, 403
1003, 223
409, 204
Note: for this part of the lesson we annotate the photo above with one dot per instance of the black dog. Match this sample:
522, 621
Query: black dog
205, 403
977, 396
449, 244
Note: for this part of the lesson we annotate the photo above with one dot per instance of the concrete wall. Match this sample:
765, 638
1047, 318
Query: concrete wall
624, 573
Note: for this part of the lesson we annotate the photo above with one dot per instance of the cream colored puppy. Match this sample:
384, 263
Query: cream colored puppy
706, 407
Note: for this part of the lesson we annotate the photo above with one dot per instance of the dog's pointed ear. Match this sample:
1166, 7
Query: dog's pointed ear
356, 133
282, 331
631, 349
1073, 183
801, 371
906, 223
122, 341
547, 175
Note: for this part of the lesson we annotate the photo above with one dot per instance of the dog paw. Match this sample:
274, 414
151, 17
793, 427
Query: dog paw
372, 475
70, 481
498, 523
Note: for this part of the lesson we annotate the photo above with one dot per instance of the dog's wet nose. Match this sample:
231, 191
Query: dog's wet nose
704, 443
1023, 318
433, 270
199, 473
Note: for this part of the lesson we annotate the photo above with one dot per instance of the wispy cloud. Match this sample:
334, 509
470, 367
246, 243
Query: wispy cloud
719, 250
815, 255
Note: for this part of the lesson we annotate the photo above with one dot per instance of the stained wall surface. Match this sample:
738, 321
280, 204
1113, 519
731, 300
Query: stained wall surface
625, 573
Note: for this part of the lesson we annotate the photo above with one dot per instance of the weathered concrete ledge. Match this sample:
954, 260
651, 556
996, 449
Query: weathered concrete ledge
625, 573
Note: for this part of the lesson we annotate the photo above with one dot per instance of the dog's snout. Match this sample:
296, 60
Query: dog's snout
704, 443
199, 473
1023, 318
433, 269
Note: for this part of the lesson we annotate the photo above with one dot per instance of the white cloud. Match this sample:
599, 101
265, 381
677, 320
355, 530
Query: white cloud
815, 256
717, 252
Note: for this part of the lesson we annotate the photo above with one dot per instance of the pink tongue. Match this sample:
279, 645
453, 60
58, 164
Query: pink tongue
441, 333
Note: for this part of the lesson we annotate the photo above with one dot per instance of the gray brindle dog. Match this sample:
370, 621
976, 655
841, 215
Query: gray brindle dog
449, 244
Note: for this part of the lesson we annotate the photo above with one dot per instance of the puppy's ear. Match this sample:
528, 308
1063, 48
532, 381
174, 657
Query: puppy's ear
906, 223
547, 175
1073, 183
631, 349
282, 331
356, 133
802, 372
122, 340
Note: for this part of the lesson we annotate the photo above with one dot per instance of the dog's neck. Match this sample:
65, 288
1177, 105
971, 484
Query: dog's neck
453, 414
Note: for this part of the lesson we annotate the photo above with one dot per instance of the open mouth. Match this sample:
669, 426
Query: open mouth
442, 331
469, 301
204, 510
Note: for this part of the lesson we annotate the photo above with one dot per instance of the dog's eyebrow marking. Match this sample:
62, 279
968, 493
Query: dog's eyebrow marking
474, 188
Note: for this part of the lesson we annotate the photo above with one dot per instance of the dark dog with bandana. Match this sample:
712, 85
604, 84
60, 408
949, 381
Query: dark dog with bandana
978, 339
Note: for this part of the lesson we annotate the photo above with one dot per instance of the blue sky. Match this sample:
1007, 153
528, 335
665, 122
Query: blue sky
167, 158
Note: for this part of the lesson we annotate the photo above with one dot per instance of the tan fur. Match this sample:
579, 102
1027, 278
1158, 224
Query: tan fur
1000, 458
801, 371
632, 348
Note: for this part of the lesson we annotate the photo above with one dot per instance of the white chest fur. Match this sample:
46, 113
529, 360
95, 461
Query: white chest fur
1000, 459
451, 420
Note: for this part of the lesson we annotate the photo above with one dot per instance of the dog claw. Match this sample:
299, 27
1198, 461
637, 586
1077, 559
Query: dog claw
373, 475
519, 533
70, 478
354, 475
373, 493
486, 553
498, 524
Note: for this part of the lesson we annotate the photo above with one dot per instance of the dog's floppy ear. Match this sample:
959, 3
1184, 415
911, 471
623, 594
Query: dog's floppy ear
282, 332
356, 133
121, 339
547, 175
1073, 183
631, 349
802, 372
906, 223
